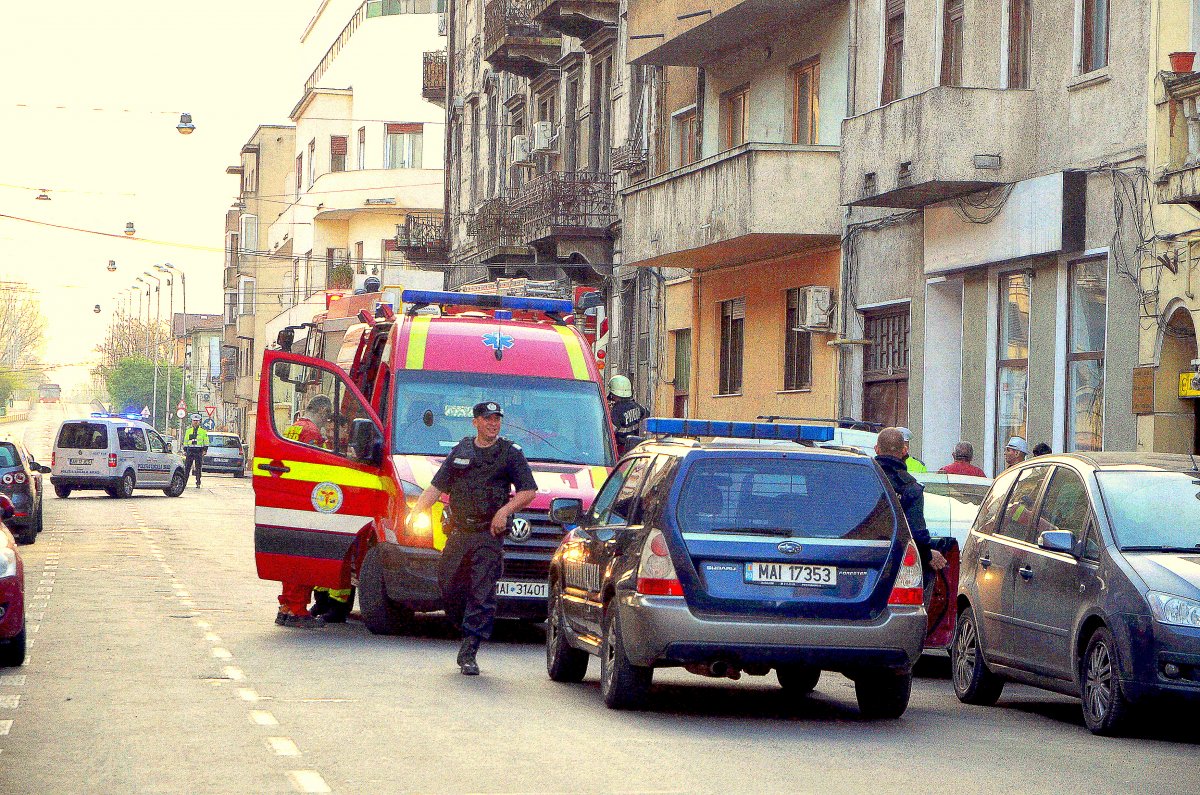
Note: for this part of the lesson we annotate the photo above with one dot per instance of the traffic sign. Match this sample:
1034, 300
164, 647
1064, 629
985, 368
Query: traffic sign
181, 413
208, 424
145, 411
181, 406
211, 410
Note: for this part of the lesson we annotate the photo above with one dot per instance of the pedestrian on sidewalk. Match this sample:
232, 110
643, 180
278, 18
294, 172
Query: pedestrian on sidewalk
963, 453
1041, 448
481, 475
195, 442
1016, 451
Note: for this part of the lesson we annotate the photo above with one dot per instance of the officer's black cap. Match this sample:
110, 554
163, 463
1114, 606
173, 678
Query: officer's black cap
487, 409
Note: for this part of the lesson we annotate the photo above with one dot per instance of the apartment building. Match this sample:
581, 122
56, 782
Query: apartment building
749, 137
993, 159
368, 153
1166, 394
254, 280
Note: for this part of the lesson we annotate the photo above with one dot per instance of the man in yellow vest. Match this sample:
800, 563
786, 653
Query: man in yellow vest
195, 442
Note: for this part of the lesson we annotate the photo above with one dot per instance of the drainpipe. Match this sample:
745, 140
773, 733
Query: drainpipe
852, 55
694, 376
448, 136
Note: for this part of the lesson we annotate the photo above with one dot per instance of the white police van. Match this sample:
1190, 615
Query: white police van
115, 454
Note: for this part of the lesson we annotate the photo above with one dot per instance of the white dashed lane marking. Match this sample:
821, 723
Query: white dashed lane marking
246, 694
282, 746
5, 726
262, 718
10, 702
13, 680
234, 673
221, 653
308, 781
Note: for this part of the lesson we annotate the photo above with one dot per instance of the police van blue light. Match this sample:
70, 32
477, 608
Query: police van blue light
740, 430
511, 302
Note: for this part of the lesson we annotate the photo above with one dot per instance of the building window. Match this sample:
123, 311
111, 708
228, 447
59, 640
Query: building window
312, 162
683, 370
231, 307
733, 322
362, 148
1094, 52
247, 236
1012, 361
893, 51
735, 107
299, 173
685, 137
403, 145
338, 145
1086, 327
1020, 42
885, 366
952, 43
601, 110
245, 297
806, 84
797, 346
360, 266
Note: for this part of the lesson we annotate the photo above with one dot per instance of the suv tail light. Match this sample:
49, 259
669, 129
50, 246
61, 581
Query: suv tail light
7, 480
13, 477
53, 458
656, 572
112, 460
909, 588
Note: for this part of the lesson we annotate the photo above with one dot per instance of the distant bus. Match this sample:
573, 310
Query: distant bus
49, 393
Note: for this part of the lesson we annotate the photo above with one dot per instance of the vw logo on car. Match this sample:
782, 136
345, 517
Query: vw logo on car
521, 530
789, 548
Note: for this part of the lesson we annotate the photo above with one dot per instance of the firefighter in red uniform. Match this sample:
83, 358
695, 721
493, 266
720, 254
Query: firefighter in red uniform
293, 602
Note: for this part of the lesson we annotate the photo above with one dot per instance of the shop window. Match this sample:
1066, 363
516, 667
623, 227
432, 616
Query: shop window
1086, 327
1012, 360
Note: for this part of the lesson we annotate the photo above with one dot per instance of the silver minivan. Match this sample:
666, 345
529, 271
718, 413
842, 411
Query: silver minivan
114, 455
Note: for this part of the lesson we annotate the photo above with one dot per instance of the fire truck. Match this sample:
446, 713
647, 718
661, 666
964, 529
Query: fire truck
331, 503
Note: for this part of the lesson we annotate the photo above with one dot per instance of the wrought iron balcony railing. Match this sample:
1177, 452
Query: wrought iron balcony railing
630, 156
420, 237
433, 81
567, 203
496, 225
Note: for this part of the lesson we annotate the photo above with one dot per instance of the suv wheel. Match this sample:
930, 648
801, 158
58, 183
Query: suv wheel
1105, 708
62, 492
178, 485
622, 684
798, 680
125, 488
883, 694
564, 663
381, 615
974, 682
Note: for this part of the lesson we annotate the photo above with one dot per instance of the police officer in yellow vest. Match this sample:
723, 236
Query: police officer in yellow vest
195, 442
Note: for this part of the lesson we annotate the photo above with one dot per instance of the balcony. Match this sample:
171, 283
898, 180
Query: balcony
938, 145
695, 32
514, 42
578, 18
1177, 179
756, 201
433, 77
230, 281
496, 227
630, 156
420, 238
576, 204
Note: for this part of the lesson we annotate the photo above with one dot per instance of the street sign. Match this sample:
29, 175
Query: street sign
211, 410
208, 424
145, 412
181, 413
181, 406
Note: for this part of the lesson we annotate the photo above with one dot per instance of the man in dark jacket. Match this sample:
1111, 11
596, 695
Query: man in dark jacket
889, 454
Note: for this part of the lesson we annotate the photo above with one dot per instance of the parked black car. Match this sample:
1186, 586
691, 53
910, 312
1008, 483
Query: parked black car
21, 482
1081, 575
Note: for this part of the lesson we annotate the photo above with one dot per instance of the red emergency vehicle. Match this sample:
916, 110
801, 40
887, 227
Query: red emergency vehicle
332, 512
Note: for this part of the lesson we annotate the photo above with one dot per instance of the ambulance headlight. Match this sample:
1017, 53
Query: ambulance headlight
421, 523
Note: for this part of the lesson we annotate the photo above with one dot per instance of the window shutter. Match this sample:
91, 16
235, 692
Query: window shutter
895, 7
396, 129
735, 309
338, 145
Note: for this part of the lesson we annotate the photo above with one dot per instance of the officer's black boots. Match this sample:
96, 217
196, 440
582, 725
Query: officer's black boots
466, 656
321, 603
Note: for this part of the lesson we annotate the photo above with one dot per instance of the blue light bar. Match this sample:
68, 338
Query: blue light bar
551, 305
740, 430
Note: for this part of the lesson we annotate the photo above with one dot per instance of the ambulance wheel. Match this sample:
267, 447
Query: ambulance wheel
62, 492
124, 489
178, 484
381, 615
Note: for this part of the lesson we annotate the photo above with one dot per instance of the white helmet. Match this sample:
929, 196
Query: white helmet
195, 418
619, 385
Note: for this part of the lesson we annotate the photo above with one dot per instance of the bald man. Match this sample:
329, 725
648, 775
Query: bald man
889, 454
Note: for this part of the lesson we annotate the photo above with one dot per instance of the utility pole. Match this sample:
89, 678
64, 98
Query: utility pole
157, 345
171, 336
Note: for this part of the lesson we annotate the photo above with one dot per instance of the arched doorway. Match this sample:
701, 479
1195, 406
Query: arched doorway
1175, 418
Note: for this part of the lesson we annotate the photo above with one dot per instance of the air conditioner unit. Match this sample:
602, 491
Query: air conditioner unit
519, 149
816, 308
543, 136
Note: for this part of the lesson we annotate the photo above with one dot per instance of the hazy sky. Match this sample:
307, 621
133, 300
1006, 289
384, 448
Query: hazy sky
91, 95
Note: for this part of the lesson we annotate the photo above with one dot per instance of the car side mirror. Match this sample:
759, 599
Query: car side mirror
367, 441
6, 508
1057, 541
45, 470
566, 510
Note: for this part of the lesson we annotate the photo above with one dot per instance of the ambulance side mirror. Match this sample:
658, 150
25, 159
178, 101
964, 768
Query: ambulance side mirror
366, 441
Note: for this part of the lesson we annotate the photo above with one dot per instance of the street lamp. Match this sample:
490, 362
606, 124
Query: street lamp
112, 266
157, 326
143, 281
185, 125
171, 323
129, 230
169, 268
43, 196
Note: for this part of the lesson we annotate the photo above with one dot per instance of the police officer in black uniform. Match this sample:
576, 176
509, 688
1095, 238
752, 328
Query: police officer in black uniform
480, 474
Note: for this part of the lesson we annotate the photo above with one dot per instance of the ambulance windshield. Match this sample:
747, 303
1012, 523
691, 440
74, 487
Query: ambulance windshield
552, 419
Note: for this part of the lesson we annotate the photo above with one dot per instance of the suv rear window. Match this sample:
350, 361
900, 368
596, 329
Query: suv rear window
83, 436
215, 440
786, 497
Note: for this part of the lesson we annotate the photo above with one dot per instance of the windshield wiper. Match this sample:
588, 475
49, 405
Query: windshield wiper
758, 531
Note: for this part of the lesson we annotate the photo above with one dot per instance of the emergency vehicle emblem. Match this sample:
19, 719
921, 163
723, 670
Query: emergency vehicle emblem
521, 529
497, 341
327, 497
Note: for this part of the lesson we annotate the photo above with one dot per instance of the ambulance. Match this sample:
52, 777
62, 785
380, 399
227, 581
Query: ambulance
344, 447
